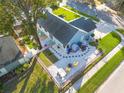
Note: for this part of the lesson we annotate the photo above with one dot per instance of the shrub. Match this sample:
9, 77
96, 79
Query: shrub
19, 69
25, 66
93, 43
1, 87
92, 34
54, 6
101, 50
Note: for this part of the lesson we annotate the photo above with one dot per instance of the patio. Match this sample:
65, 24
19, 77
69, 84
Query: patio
69, 66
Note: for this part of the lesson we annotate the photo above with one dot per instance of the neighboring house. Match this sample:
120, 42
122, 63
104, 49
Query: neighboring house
9, 52
62, 33
10, 55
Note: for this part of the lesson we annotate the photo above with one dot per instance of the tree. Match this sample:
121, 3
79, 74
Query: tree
6, 21
28, 11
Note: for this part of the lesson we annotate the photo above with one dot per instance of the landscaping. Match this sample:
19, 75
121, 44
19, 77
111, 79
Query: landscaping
48, 57
36, 81
121, 31
65, 14
83, 14
94, 82
29, 42
106, 44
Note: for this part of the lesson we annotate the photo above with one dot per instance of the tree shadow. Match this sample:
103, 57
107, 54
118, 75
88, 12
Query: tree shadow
12, 85
43, 86
27, 78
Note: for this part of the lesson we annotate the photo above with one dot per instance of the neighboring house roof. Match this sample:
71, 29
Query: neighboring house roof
9, 52
84, 24
61, 30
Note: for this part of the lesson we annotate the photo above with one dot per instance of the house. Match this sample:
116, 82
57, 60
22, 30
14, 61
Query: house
10, 55
9, 52
62, 33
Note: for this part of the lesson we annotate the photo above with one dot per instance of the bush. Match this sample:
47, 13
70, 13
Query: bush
1, 87
33, 45
26, 39
19, 69
25, 66
93, 43
101, 50
120, 30
92, 34
54, 6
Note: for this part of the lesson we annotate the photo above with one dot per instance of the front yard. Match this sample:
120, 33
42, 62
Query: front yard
108, 42
48, 57
65, 14
92, 84
36, 81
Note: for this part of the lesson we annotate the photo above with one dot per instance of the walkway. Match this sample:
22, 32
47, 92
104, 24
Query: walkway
60, 66
115, 83
97, 67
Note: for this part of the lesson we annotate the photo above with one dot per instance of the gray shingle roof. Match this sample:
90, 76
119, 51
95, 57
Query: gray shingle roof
9, 52
61, 30
84, 24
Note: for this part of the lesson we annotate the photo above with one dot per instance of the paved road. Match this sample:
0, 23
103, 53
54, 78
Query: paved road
115, 83
109, 15
102, 11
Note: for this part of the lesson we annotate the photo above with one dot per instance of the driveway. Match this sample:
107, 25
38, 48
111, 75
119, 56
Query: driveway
115, 83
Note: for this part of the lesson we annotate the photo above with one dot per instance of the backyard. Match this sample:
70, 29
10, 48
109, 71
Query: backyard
65, 14
94, 82
83, 14
36, 81
48, 57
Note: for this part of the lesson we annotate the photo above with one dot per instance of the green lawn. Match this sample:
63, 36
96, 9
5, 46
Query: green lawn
83, 14
67, 15
48, 57
108, 42
92, 84
36, 81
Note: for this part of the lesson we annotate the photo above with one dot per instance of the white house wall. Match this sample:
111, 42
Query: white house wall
53, 38
57, 42
77, 37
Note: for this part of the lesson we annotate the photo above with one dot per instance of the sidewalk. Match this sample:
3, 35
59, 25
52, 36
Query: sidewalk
115, 83
78, 84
